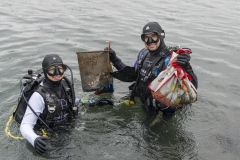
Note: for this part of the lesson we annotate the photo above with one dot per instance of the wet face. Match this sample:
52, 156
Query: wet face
151, 41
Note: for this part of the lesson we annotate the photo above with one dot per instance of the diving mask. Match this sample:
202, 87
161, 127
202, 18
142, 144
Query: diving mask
54, 70
150, 38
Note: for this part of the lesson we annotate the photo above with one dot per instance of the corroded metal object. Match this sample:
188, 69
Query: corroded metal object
94, 69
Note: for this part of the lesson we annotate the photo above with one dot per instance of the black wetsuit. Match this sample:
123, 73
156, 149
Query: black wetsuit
58, 104
146, 66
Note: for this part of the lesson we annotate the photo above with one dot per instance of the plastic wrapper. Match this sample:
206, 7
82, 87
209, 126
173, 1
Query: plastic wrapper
172, 86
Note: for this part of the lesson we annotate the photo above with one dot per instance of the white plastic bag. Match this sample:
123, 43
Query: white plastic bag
172, 86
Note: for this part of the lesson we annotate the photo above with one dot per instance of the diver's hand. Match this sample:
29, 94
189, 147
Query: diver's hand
112, 54
104, 101
101, 102
40, 145
183, 60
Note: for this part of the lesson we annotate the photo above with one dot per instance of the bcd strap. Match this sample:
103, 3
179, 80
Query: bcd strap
50, 102
69, 90
163, 54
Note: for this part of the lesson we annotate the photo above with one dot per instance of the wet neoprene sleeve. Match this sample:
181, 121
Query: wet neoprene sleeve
118, 64
30, 119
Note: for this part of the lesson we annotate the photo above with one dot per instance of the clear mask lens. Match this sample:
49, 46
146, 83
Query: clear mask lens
56, 70
150, 38
154, 37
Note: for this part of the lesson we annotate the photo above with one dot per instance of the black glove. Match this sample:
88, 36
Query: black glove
101, 102
40, 145
112, 54
183, 60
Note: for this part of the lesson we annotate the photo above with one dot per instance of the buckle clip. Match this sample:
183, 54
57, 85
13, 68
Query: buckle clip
51, 108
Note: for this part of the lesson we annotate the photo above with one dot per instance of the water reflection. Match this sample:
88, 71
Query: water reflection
170, 139
126, 130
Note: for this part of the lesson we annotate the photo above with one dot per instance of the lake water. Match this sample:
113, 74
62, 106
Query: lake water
208, 129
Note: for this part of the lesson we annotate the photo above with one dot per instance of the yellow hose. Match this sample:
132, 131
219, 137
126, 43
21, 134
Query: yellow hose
7, 131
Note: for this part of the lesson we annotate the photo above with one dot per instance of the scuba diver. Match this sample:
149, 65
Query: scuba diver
150, 62
51, 105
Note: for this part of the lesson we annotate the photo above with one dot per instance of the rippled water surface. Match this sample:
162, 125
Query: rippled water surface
208, 129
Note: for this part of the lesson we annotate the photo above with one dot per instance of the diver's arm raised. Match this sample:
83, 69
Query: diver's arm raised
117, 62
